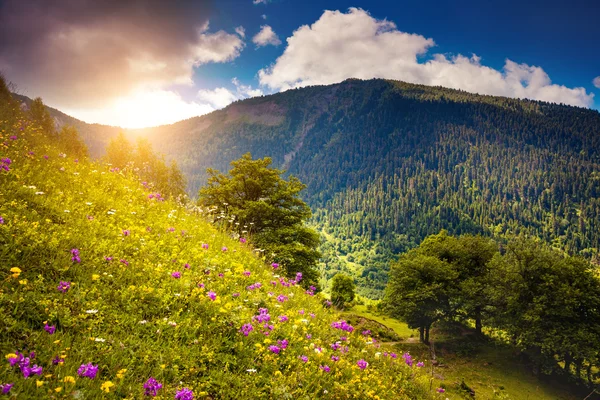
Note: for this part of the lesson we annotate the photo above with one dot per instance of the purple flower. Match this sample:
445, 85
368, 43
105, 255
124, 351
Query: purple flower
393, 355
205, 246
335, 358
109, 259
282, 298
186, 266
325, 368
6, 387
283, 318
298, 277
176, 274
64, 286
283, 344
408, 359
246, 329
420, 364
236, 294
308, 336
50, 329
184, 394
362, 364
366, 332
126, 232
88, 370
247, 273
123, 261
57, 360
223, 248
28, 371
242, 240
304, 358
275, 349
343, 338
343, 325
151, 387
75, 253
201, 285
212, 295
1, 222
275, 265
335, 346
440, 390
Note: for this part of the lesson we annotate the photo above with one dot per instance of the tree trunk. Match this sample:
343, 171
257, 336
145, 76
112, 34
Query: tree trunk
478, 324
427, 334
578, 368
421, 336
568, 361
588, 371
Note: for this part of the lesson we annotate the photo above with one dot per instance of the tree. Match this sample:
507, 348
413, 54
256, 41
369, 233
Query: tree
342, 290
418, 291
270, 207
119, 151
39, 115
70, 142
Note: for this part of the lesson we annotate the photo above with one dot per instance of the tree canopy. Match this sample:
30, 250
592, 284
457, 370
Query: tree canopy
268, 209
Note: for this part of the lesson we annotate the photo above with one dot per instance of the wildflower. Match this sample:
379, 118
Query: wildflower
283, 344
308, 336
325, 368
283, 318
126, 232
420, 364
57, 360
275, 349
246, 273
64, 286
335, 346
186, 266
50, 329
251, 370
246, 329
242, 240
343, 338
1, 220
366, 332
6, 387
184, 394
106, 386
100, 340
440, 390
335, 358
109, 259
75, 253
176, 274
121, 373
123, 261
205, 246
236, 294
28, 371
362, 364
212, 295
282, 298
408, 359
16, 272
343, 325
69, 379
223, 248
275, 265
151, 387
92, 311
298, 277
88, 370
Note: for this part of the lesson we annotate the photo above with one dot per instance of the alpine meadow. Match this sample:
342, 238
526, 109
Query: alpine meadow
267, 199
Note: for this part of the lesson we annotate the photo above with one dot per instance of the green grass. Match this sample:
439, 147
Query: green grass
492, 370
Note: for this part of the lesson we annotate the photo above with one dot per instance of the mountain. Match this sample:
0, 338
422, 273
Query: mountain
387, 163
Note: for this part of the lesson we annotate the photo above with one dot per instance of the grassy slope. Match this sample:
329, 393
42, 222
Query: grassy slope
131, 317
492, 371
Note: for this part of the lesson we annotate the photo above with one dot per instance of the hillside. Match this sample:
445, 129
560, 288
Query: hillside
109, 292
387, 163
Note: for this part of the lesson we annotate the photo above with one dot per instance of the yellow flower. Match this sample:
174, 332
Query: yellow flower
56, 341
69, 379
16, 272
11, 355
95, 277
23, 282
58, 389
106, 386
121, 373
39, 383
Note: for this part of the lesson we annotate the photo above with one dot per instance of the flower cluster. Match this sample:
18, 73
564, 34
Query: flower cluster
184, 394
75, 254
88, 370
50, 329
151, 387
246, 329
64, 286
24, 364
5, 164
343, 325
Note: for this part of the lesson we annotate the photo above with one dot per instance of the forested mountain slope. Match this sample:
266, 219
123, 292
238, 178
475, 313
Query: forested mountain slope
387, 163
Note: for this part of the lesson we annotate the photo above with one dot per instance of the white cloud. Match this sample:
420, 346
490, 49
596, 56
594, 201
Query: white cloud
143, 108
240, 31
260, 1
596, 82
264, 16
355, 45
217, 47
266, 36
222, 97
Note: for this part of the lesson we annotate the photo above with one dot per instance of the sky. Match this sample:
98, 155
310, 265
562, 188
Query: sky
138, 63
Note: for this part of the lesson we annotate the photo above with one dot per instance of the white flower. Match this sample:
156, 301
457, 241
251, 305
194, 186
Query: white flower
304, 320
100, 340
67, 211
93, 311
172, 323
251, 370
143, 322
39, 193
88, 204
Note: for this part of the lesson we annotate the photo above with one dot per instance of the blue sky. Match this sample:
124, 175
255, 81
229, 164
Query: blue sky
141, 63
562, 37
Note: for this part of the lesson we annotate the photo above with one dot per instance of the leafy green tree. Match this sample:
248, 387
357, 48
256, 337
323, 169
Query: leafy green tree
342, 290
119, 151
549, 304
419, 291
270, 206
39, 114
70, 142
